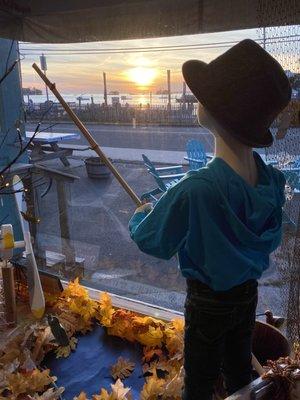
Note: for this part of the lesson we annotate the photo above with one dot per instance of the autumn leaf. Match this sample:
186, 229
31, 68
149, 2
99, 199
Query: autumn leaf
122, 369
148, 321
82, 396
106, 315
162, 366
105, 300
153, 337
29, 383
104, 395
84, 307
64, 351
74, 289
178, 324
40, 379
152, 388
173, 389
174, 341
17, 383
123, 329
150, 353
119, 392
50, 394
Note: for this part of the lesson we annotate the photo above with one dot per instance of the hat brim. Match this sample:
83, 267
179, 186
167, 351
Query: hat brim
194, 73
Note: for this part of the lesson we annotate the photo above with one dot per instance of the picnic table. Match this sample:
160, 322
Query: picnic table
45, 146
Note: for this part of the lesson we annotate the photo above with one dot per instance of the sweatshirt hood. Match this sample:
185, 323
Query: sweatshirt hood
253, 213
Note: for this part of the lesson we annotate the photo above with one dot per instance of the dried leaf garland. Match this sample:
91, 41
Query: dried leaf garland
74, 289
122, 369
153, 337
77, 312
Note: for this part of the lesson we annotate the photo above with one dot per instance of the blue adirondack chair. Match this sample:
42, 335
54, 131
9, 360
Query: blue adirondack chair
196, 155
174, 169
174, 173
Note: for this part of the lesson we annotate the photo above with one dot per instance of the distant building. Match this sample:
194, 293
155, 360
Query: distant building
28, 91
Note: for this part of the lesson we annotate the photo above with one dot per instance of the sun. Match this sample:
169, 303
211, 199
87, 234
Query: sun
142, 76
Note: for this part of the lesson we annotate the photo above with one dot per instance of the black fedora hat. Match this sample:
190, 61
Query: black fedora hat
244, 89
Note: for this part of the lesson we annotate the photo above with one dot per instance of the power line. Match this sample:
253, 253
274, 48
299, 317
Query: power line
70, 53
152, 48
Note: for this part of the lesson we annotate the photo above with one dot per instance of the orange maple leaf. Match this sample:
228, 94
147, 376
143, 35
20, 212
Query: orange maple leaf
122, 369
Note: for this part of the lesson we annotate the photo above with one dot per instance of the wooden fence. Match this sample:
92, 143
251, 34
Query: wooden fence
176, 114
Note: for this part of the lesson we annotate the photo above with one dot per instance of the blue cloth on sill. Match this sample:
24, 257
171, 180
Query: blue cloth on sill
222, 228
87, 369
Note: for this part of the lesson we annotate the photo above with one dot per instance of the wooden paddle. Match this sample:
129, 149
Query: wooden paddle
94, 145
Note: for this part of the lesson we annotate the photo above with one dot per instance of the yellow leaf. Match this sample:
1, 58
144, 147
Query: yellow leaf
152, 389
122, 329
122, 369
174, 342
74, 289
178, 324
153, 337
105, 300
105, 316
82, 396
104, 395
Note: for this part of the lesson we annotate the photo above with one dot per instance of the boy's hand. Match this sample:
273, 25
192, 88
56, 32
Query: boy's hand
147, 207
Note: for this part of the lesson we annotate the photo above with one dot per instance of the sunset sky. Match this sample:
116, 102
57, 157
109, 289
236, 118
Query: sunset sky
132, 72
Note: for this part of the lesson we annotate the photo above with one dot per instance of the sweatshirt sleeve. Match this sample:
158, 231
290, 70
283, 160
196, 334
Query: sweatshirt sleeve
163, 231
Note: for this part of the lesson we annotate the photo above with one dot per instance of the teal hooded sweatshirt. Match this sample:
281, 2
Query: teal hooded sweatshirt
222, 228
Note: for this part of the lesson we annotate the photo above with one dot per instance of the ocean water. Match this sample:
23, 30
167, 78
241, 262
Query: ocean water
132, 99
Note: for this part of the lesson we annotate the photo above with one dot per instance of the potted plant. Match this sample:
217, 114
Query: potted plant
96, 169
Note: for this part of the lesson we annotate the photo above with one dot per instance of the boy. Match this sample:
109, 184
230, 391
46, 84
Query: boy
224, 219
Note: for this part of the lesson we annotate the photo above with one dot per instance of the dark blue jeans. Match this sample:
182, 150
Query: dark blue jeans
218, 336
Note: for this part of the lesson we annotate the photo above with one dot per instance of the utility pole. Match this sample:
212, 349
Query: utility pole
43, 62
169, 88
105, 88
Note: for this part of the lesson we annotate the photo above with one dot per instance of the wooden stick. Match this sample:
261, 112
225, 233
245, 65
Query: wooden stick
87, 134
